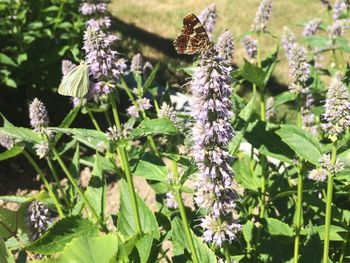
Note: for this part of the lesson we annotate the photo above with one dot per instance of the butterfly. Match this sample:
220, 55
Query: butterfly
193, 38
76, 82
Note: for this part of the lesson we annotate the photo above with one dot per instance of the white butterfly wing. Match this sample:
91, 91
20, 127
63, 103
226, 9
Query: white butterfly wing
76, 82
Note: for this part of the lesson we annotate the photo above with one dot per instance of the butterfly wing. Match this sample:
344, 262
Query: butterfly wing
193, 38
76, 82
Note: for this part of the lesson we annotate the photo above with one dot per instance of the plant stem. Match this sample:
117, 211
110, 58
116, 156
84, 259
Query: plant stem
74, 183
108, 118
54, 174
183, 213
20, 242
329, 205
92, 117
126, 168
299, 205
46, 183
299, 213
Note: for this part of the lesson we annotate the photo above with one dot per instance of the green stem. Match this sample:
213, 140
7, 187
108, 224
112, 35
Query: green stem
92, 117
46, 183
329, 205
131, 189
343, 250
108, 118
55, 177
126, 167
299, 213
181, 205
227, 253
74, 183
299, 112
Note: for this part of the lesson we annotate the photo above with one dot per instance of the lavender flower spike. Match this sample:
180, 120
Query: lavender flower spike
250, 46
311, 27
211, 109
38, 115
288, 39
262, 16
299, 69
6, 141
208, 19
226, 47
337, 113
136, 64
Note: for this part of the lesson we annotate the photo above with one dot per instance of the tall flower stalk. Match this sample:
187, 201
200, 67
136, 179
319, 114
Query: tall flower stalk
211, 109
337, 121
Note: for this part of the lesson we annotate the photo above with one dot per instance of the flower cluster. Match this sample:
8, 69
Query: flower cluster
262, 16
288, 39
308, 118
37, 219
166, 111
337, 29
226, 47
115, 134
337, 108
208, 19
311, 27
7, 141
338, 8
141, 104
299, 69
211, 109
250, 46
326, 164
136, 64
170, 200
318, 175
38, 116
104, 63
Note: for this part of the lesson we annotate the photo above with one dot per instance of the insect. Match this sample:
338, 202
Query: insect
193, 38
76, 82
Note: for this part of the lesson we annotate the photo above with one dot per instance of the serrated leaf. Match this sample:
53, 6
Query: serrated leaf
303, 143
6, 60
334, 234
22, 134
276, 227
253, 74
205, 255
62, 233
89, 249
247, 230
244, 176
151, 167
126, 220
316, 41
284, 97
144, 245
162, 126
89, 137
14, 151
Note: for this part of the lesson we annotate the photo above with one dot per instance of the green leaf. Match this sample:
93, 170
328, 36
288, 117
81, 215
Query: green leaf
334, 234
5, 254
205, 255
244, 176
269, 65
89, 249
151, 167
253, 74
126, 220
154, 127
14, 198
96, 192
247, 230
68, 120
144, 246
268, 142
303, 143
89, 137
343, 44
151, 77
8, 218
22, 134
316, 41
248, 110
14, 151
6, 60
106, 164
61, 233
284, 97
278, 228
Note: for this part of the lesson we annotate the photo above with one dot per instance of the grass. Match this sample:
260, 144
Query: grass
164, 18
